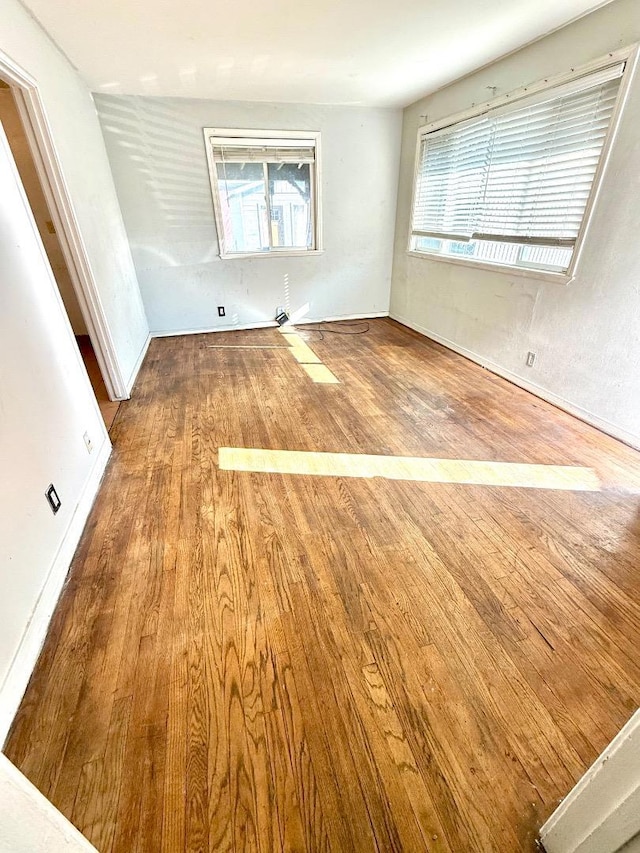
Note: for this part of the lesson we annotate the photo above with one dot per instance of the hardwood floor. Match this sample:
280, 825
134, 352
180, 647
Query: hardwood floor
249, 660
108, 408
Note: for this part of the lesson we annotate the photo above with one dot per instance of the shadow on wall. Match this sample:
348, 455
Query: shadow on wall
158, 158
151, 256
168, 159
170, 169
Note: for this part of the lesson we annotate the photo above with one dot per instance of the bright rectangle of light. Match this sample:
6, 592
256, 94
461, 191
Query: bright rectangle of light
421, 469
303, 354
320, 373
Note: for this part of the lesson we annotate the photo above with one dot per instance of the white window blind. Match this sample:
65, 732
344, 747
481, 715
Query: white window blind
233, 150
518, 174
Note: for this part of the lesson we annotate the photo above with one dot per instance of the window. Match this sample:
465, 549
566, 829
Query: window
511, 186
265, 191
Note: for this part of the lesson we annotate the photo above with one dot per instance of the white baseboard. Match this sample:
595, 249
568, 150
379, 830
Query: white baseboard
566, 405
138, 365
264, 324
207, 330
25, 658
338, 317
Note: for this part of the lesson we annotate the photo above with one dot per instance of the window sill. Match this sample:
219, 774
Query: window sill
285, 253
522, 272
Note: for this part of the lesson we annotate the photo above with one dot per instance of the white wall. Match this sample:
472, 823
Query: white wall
28, 821
80, 146
10, 118
586, 334
157, 155
46, 406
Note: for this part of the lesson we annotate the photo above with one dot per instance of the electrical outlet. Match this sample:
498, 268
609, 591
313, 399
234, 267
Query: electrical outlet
531, 359
221, 311
88, 442
52, 499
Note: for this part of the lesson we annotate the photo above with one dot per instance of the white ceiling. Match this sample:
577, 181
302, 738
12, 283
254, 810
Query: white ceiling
373, 52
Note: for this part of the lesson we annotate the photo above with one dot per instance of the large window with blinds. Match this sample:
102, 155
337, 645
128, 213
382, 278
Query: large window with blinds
511, 185
265, 191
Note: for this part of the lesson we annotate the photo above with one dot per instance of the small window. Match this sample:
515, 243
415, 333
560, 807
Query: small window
511, 186
265, 191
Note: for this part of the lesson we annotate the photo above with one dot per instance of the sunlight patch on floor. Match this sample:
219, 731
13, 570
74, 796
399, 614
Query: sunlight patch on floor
303, 354
292, 338
320, 373
421, 469
307, 359
312, 365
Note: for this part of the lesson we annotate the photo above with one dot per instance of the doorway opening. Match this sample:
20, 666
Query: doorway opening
19, 143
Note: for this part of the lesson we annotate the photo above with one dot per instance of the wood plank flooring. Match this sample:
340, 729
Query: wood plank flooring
263, 661
108, 408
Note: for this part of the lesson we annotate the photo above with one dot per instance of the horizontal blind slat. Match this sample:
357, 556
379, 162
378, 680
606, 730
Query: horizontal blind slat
263, 154
522, 173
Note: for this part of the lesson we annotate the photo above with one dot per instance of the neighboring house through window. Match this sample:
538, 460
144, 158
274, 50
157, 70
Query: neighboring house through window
265, 191
511, 184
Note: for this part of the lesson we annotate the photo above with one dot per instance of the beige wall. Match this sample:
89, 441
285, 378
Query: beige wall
14, 130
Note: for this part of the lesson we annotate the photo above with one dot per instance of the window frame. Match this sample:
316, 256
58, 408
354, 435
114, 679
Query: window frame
627, 54
316, 189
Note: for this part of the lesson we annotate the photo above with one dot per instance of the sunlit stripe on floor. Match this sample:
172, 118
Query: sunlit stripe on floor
320, 373
307, 358
464, 471
303, 354
300, 349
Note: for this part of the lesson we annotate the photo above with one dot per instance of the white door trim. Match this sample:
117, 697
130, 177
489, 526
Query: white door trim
30, 823
602, 812
51, 176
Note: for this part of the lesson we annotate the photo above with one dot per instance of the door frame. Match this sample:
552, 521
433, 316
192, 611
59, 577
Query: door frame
602, 812
56, 191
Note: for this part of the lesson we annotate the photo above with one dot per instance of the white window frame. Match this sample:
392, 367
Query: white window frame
627, 54
316, 189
